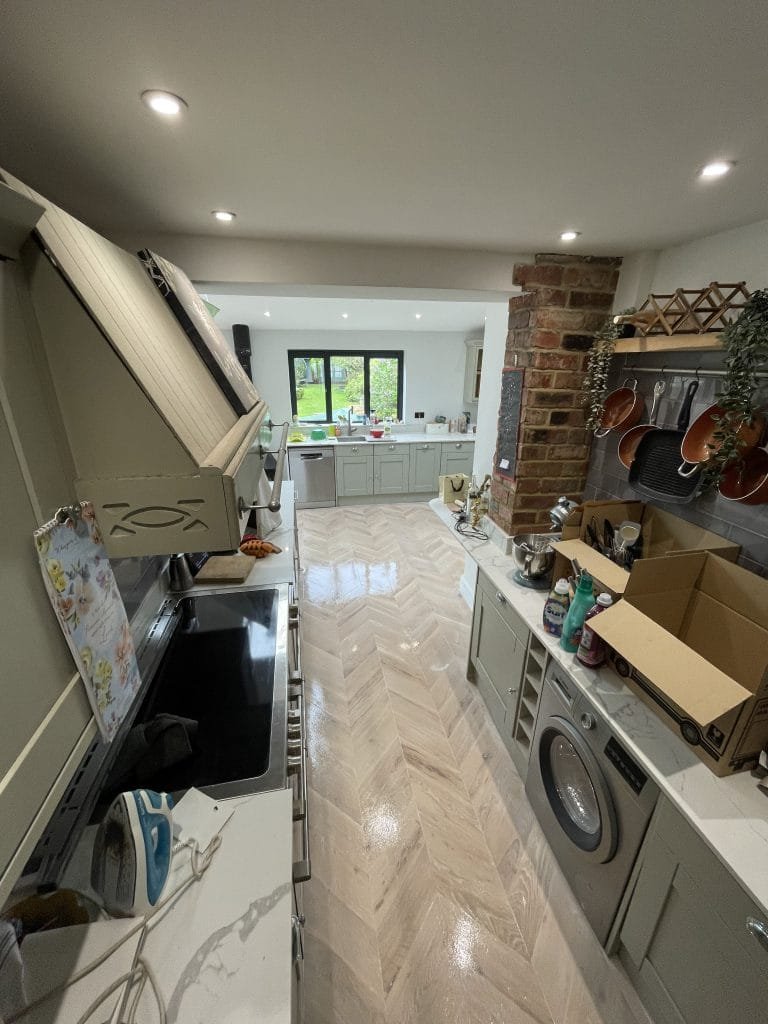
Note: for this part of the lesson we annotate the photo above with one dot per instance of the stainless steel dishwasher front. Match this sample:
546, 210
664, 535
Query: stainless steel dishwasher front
313, 471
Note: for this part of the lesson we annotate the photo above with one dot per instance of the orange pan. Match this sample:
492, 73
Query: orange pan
622, 409
699, 443
629, 441
747, 480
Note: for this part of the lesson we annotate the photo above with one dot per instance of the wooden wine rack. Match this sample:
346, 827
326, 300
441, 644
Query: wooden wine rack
691, 311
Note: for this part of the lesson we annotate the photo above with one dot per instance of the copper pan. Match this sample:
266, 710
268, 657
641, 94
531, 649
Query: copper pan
747, 480
629, 441
622, 409
699, 443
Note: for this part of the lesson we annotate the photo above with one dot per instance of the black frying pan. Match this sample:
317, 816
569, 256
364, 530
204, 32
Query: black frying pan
653, 472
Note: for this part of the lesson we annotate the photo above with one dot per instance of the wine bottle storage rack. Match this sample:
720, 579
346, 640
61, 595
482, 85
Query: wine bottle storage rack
528, 702
689, 310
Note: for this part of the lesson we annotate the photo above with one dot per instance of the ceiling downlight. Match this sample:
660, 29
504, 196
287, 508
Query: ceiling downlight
716, 169
225, 216
569, 236
167, 104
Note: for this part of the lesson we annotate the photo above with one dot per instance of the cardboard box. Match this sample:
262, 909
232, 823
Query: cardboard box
691, 638
662, 534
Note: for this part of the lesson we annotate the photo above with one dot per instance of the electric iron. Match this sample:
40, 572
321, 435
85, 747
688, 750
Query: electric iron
132, 852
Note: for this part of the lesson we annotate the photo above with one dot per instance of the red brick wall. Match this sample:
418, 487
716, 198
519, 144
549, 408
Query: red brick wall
551, 328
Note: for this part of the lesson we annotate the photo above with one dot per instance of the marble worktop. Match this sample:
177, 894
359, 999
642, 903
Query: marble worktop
730, 814
220, 947
400, 438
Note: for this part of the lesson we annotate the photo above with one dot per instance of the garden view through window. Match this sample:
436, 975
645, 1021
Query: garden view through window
325, 386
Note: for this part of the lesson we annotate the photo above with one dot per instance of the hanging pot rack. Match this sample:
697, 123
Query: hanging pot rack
680, 371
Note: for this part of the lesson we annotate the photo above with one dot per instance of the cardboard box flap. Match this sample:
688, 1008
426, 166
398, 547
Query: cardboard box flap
597, 565
698, 688
659, 576
741, 590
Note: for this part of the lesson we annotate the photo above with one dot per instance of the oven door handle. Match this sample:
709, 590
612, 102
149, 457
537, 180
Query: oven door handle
302, 869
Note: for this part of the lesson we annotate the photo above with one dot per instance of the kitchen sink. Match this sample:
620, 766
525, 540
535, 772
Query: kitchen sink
351, 439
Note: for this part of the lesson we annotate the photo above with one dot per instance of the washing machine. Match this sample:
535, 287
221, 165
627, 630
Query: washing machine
591, 797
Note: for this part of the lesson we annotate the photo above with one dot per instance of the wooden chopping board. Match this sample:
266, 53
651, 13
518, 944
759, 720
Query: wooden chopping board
226, 569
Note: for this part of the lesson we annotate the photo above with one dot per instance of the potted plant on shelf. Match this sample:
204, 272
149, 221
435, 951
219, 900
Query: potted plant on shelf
745, 342
595, 384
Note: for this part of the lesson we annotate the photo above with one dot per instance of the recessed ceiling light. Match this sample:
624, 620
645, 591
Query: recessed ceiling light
165, 103
716, 169
267, 313
569, 236
417, 315
224, 215
345, 316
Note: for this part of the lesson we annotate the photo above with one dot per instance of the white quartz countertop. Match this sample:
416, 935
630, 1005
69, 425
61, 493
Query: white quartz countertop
220, 948
730, 814
404, 438
223, 951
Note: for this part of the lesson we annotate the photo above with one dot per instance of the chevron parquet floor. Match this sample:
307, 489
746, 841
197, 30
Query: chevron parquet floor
434, 897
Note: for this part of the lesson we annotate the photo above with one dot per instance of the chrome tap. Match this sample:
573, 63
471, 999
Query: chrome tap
350, 429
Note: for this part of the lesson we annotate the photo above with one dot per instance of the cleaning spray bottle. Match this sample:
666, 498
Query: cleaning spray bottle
577, 613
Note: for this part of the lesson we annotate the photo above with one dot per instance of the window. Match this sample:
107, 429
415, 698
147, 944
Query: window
326, 385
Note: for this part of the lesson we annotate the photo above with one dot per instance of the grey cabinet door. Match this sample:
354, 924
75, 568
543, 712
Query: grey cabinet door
685, 940
354, 476
391, 466
497, 655
424, 468
457, 457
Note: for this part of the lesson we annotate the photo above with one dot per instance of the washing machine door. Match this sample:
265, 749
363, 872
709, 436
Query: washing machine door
577, 790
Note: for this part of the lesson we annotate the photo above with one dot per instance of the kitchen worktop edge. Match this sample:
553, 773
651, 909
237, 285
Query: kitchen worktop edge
730, 814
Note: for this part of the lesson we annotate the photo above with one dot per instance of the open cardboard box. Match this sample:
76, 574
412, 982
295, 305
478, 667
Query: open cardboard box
691, 637
662, 534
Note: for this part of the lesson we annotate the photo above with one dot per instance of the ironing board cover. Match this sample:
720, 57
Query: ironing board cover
83, 591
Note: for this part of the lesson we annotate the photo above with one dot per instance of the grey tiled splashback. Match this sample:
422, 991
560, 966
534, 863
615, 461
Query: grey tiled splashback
746, 525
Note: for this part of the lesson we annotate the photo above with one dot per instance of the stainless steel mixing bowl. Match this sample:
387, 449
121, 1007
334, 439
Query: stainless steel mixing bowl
533, 553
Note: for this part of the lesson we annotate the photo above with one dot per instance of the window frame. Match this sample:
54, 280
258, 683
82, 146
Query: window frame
325, 354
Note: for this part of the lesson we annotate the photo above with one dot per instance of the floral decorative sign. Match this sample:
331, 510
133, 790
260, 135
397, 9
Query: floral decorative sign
84, 595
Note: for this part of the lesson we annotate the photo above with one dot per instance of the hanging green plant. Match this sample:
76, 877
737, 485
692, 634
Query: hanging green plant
595, 386
745, 342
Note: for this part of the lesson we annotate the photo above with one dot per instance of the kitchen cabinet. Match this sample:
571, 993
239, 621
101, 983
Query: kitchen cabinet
693, 942
391, 468
497, 656
457, 457
424, 468
354, 470
474, 369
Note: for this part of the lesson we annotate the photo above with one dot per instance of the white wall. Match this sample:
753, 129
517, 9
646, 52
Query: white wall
274, 263
434, 365
740, 254
494, 345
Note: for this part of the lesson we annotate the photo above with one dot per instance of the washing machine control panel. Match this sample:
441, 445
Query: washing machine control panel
625, 765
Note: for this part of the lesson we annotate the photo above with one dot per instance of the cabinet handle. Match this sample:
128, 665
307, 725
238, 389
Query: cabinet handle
510, 690
759, 930
391, 447
458, 444
500, 597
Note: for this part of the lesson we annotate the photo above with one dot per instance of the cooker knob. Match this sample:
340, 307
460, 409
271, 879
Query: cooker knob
587, 721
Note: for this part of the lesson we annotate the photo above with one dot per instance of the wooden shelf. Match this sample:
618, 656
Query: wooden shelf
668, 343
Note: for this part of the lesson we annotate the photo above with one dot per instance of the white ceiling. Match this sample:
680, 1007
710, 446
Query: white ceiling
492, 124
325, 314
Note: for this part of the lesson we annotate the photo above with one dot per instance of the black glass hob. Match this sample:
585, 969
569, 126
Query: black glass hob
212, 696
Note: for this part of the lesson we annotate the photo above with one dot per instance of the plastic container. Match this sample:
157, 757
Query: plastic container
583, 600
591, 650
556, 608
318, 434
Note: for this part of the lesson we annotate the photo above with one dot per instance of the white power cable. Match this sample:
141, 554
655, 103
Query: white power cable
200, 861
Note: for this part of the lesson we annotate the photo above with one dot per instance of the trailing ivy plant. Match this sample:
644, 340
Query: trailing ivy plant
745, 342
595, 384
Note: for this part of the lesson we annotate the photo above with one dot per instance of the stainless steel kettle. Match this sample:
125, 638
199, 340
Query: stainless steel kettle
560, 511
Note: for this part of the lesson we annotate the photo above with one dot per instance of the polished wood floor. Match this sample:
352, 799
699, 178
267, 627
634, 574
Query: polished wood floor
434, 897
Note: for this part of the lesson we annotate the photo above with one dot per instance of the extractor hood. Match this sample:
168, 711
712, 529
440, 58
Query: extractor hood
157, 443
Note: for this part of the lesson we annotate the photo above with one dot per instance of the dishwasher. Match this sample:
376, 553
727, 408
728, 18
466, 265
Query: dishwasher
313, 471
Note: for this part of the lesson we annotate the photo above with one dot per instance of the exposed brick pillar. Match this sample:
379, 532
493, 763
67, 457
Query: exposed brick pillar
551, 329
